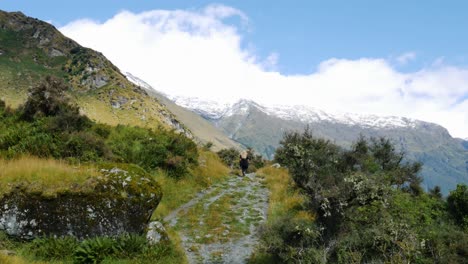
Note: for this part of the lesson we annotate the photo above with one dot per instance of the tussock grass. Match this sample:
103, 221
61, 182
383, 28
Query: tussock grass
177, 192
284, 199
210, 170
43, 175
12, 260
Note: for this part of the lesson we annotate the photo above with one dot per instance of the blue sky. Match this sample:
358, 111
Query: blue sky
305, 33
399, 58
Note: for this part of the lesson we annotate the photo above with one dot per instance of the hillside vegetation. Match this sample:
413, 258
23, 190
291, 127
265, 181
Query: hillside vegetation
363, 205
48, 126
48, 148
31, 49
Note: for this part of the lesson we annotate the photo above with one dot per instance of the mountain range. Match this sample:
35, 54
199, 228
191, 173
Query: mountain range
445, 158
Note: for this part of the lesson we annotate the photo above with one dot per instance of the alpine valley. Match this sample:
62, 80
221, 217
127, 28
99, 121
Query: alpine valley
445, 158
31, 49
98, 166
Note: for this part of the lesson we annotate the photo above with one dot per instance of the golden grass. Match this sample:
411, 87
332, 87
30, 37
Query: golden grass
11, 260
174, 237
283, 198
17, 260
43, 175
100, 110
177, 192
210, 169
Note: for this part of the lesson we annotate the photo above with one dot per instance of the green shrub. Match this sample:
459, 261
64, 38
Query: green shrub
130, 245
87, 145
48, 126
162, 149
47, 99
95, 250
255, 161
127, 246
50, 248
230, 157
370, 207
458, 205
292, 240
207, 146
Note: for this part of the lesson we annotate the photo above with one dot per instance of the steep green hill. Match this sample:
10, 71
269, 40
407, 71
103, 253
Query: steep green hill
203, 131
31, 49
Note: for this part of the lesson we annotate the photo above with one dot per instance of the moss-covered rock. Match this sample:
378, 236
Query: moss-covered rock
121, 200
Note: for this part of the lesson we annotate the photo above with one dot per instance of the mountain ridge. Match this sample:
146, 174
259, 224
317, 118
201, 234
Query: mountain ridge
256, 126
214, 110
32, 49
203, 131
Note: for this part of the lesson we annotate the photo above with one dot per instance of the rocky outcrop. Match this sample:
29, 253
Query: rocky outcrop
156, 233
40, 34
121, 200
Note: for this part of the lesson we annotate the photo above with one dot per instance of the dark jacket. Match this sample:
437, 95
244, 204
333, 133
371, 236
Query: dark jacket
244, 163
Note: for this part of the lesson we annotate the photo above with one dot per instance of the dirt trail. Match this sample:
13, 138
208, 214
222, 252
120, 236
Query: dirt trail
220, 224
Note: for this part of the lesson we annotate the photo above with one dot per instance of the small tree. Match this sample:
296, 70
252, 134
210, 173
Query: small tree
46, 99
256, 160
229, 156
436, 192
457, 202
208, 145
311, 161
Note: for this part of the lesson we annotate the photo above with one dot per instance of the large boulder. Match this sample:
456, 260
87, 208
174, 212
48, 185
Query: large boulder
121, 200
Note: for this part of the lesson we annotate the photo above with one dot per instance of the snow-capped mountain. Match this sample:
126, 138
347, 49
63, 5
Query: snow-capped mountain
262, 128
305, 114
208, 109
214, 110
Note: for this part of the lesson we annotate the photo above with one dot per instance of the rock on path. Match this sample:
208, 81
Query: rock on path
220, 224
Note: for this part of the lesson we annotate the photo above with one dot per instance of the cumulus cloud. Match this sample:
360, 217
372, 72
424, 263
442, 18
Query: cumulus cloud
197, 53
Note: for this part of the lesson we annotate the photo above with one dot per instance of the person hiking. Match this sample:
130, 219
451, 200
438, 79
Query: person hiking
244, 162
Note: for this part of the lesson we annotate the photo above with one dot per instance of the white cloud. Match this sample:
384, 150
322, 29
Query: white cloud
271, 62
406, 57
195, 53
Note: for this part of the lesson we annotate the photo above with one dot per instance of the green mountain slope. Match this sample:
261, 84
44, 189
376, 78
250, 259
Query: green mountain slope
203, 131
31, 49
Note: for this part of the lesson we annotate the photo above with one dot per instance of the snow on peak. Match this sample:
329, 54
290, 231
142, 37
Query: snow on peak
305, 114
207, 108
214, 110
137, 81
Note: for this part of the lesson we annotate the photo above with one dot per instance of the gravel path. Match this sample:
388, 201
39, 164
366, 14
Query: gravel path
220, 224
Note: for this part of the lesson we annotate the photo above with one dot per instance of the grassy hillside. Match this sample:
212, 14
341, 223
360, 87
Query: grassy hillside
31, 49
48, 176
48, 148
203, 131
